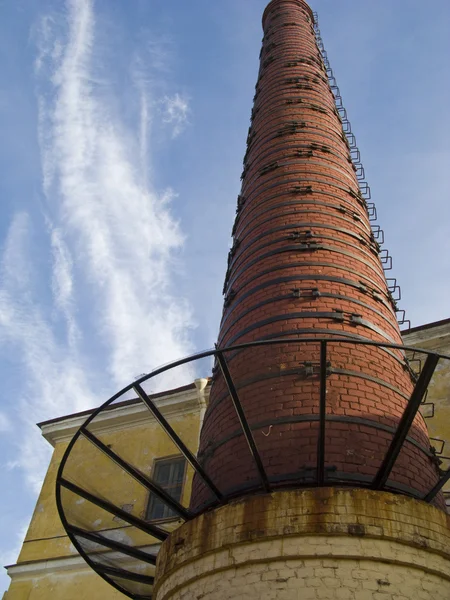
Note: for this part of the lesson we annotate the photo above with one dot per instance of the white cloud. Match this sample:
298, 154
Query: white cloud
112, 243
121, 229
55, 380
63, 284
175, 112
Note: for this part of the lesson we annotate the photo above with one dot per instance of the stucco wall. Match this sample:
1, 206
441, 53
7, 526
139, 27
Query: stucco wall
58, 583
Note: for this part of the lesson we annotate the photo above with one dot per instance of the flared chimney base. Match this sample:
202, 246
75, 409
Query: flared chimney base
328, 543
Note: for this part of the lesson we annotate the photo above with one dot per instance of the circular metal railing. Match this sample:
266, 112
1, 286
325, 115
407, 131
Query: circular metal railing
103, 483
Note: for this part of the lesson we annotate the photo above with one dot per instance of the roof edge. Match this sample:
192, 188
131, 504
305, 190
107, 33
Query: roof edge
426, 326
129, 402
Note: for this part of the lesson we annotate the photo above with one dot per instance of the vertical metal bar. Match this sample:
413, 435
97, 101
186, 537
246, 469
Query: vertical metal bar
322, 414
150, 485
438, 487
405, 422
243, 420
176, 440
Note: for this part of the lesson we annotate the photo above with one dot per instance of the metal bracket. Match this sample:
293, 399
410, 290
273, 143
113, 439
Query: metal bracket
412, 374
349, 139
338, 102
345, 211
268, 61
413, 360
430, 415
304, 153
338, 315
268, 168
233, 250
386, 260
226, 281
402, 320
355, 155
441, 449
318, 109
305, 292
302, 190
309, 246
378, 234
231, 295
370, 291
244, 171
291, 128
365, 190
346, 127
300, 236
359, 170
357, 196
310, 369
355, 318
241, 201
371, 211
394, 288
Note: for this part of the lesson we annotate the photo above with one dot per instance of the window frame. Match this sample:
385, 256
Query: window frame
152, 498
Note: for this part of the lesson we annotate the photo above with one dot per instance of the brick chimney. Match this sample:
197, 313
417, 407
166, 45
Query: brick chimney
312, 427
314, 477
305, 264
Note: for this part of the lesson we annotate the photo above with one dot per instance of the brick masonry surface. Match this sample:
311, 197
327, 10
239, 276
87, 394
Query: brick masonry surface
304, 263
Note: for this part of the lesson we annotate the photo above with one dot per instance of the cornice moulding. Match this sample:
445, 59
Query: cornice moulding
132, 414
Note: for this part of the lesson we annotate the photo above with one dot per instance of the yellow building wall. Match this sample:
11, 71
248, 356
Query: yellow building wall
49, 565
436, 338
81, 584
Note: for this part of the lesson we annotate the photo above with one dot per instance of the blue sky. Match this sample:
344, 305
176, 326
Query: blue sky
123, 132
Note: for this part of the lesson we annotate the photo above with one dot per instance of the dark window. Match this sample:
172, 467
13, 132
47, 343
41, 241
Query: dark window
169, 474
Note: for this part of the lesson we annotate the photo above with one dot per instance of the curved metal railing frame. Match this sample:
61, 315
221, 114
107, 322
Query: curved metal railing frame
378, 483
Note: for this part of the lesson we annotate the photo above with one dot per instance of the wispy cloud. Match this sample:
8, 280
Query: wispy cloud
113, 242
63, 284
120, 228
175, 113
54, 378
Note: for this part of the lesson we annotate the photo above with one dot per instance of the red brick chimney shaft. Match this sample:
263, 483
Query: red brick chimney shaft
305, 263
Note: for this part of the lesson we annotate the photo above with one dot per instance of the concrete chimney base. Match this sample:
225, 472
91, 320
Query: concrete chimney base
327, 543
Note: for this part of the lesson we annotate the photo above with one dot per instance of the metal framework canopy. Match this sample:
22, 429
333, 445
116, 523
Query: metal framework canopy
103, 488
